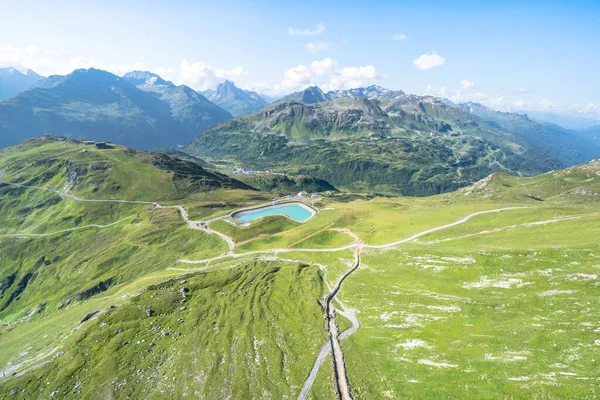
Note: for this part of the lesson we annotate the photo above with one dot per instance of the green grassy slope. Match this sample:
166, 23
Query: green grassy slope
232, 332
114, 173
30, 211
502, 305
90, 246
459, 322
579, 185
40, 276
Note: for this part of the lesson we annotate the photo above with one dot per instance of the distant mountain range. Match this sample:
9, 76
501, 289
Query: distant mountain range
140, 110
362, 139
314, 94
13, 81
591, 134
310, 95
194, 112
568, 146
372, 92
235, 100
382, 140
568, 120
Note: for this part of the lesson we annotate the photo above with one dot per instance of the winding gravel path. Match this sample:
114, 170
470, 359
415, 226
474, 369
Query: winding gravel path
428, 231
63, 231
70, 196
197, 225
326, 350
351, 316
339, 365
203, 226
353, 245
333, 345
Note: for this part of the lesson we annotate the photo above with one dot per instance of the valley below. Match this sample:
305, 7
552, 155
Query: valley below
126, 274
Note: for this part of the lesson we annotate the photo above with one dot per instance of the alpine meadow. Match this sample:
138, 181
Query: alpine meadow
299, 200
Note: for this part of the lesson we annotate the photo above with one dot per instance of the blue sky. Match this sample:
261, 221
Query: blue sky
511, 55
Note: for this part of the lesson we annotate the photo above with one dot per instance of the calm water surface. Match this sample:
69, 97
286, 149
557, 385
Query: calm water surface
295, 211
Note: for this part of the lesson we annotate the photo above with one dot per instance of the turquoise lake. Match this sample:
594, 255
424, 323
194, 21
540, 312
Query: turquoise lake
297, 212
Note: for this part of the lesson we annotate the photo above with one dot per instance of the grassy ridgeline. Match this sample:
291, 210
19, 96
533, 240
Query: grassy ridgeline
112, 173
78, 259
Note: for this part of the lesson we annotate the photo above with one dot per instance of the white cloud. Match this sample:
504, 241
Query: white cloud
202, 76
428, 61
327, 75
498, 101
320, 28
324, 66
463, 95
50, 62
458, 95
351, 77
465, 84
399, 36
198, 75
314, 48
437, 92
546, 104
588, 110
477, 97
296, 77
